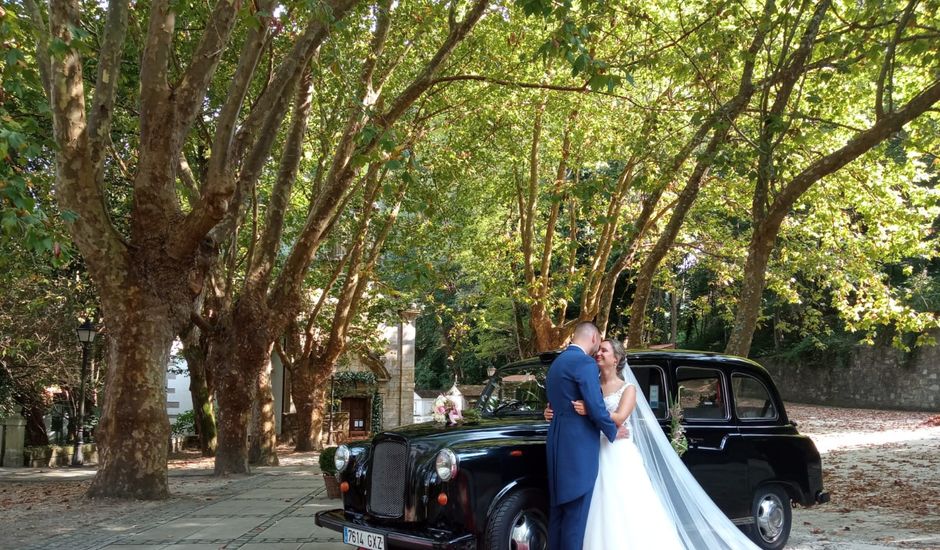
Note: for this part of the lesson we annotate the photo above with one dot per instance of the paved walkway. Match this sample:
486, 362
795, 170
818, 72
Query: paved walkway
270, 510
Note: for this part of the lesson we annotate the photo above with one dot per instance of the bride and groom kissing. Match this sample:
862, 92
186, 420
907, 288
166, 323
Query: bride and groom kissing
614, 481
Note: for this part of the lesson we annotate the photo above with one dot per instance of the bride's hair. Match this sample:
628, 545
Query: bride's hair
619, 353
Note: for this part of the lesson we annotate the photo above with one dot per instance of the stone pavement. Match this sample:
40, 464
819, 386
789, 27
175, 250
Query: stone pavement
272, 509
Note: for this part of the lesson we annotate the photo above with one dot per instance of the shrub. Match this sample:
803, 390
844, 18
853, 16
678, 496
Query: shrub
327, 466
185, 424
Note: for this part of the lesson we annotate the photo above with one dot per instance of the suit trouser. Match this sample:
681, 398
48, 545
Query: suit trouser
567, 522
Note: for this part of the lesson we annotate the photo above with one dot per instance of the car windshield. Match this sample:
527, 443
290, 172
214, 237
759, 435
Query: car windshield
516, 391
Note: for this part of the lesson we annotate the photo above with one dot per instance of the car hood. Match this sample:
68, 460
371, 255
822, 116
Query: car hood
433, 435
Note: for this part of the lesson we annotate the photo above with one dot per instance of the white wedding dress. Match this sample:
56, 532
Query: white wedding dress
645, 497
626, 512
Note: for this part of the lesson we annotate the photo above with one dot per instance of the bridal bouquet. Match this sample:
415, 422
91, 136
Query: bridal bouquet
446, 410
677, 438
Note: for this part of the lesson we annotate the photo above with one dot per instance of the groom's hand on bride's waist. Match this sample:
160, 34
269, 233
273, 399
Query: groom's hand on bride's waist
623, 432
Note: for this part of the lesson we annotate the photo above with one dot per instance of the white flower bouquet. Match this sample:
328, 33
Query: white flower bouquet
446, 410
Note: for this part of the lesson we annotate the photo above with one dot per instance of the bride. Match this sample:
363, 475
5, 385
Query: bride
644, 496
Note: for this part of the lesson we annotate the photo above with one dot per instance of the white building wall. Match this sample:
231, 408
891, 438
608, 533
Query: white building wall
178, 397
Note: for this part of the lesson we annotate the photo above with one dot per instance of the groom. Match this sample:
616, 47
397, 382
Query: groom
573, 446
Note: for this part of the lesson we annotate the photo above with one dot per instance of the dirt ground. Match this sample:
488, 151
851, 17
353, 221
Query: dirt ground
882, 469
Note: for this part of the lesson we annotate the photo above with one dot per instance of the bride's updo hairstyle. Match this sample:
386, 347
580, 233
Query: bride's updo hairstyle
620, 354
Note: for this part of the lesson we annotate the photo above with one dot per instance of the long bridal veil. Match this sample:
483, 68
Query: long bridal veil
700, 523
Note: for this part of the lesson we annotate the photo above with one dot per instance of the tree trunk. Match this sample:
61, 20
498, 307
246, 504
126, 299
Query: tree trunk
35, 425
134, 431
263, 451
749, 303
234, 398
239, 352
309, 391
199, 389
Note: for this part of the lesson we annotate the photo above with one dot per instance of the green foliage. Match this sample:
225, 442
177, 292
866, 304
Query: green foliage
27, 213
185, 423
326, 461
677, 437
377, 411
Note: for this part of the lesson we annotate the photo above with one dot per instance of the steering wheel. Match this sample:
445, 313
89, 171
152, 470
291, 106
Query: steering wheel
508, 404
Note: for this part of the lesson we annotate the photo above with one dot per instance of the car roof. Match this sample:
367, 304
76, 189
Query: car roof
546, 358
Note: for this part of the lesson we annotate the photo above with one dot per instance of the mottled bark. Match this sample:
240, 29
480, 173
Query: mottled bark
263, 449
238, 358
309, 388
195, 352
134, 429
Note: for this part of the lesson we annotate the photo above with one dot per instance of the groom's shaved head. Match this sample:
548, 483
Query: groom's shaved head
587, 337
585, 329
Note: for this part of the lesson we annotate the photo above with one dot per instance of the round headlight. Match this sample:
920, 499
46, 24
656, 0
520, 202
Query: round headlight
341, 458
446, 464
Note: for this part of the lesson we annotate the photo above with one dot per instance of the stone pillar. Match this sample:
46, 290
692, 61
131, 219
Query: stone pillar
14, 438
407, 374
398, 397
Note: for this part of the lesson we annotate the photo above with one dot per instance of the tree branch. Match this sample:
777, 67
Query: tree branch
154, 86
109, 67
190, 187
854, 148
259, 270
886, 76
42, 45
191, 89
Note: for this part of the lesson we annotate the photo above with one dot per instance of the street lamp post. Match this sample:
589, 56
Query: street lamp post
86, 335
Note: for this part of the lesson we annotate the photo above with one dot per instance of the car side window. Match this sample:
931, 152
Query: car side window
652, 384
701, 393
752, 401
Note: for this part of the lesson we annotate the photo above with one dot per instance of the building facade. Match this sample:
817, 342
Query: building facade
367, 388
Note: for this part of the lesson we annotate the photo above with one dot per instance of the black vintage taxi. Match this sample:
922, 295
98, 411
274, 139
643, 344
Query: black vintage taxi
482, 484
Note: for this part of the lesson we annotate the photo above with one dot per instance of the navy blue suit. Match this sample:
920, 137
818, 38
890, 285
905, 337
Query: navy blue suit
573, 445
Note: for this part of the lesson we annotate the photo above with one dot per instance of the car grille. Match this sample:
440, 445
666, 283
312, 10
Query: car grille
389, 469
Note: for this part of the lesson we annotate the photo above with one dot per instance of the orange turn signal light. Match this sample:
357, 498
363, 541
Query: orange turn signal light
517, 452
344, 486
442, 499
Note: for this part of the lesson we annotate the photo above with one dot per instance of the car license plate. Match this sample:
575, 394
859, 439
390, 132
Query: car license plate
363, 539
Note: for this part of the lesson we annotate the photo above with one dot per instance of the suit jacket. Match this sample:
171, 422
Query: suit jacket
573, 444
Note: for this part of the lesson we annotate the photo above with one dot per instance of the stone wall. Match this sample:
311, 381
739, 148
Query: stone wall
874, 377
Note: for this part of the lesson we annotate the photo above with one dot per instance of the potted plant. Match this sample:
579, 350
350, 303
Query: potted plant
328, 469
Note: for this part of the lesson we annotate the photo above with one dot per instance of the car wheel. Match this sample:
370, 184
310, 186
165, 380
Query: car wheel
519, 522
772, 515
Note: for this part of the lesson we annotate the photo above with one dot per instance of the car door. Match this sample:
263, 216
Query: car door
714, 456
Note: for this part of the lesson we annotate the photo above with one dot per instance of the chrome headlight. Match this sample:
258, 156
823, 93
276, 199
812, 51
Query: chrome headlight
446, 464
341, 458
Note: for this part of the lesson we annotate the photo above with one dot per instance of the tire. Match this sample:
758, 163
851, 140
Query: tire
773, 516
520, 521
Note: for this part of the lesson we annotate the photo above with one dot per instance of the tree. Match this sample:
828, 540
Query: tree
150, 277
775, 197
267, 306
